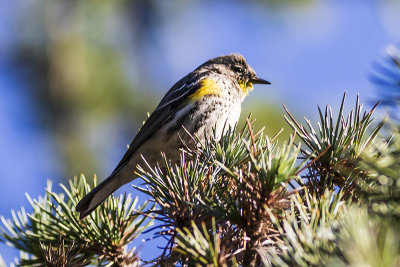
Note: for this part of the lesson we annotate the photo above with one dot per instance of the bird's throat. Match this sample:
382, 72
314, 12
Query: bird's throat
246, 87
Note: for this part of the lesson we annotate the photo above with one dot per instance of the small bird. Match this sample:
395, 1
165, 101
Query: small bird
206, 100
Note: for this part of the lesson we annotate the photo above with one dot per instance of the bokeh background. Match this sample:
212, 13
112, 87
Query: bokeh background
78, 77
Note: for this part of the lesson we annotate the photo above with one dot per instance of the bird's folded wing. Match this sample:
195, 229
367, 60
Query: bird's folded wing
168, 106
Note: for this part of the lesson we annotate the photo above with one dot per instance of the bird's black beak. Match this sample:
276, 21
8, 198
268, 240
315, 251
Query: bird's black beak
257, 80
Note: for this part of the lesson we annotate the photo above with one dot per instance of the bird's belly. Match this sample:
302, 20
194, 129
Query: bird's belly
201, 121
215, 117
217, 123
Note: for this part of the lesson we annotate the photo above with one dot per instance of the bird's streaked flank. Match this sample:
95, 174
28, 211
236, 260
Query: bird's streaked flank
208, 98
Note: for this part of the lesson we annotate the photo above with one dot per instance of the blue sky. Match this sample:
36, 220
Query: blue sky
310, 53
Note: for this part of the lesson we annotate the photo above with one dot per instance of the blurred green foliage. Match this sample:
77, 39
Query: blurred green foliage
78, 78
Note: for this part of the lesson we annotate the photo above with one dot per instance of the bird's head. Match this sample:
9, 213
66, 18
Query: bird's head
235, 67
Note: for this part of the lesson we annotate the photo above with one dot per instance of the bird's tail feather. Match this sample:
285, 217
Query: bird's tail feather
95, 197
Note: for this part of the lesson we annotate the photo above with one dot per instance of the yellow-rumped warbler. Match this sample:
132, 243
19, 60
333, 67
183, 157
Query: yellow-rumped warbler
206, 100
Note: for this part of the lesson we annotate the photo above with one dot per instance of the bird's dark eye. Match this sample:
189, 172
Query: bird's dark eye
238, 69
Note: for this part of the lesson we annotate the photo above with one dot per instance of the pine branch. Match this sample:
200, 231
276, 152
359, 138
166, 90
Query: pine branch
308, 233
336, 147
234, 179
101, 238
386, 78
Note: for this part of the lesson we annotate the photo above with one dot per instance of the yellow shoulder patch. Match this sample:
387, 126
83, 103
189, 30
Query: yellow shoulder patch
208, 87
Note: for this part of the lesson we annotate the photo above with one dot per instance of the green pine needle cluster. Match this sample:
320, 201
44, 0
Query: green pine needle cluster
241, 199
335, 148
53, 233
